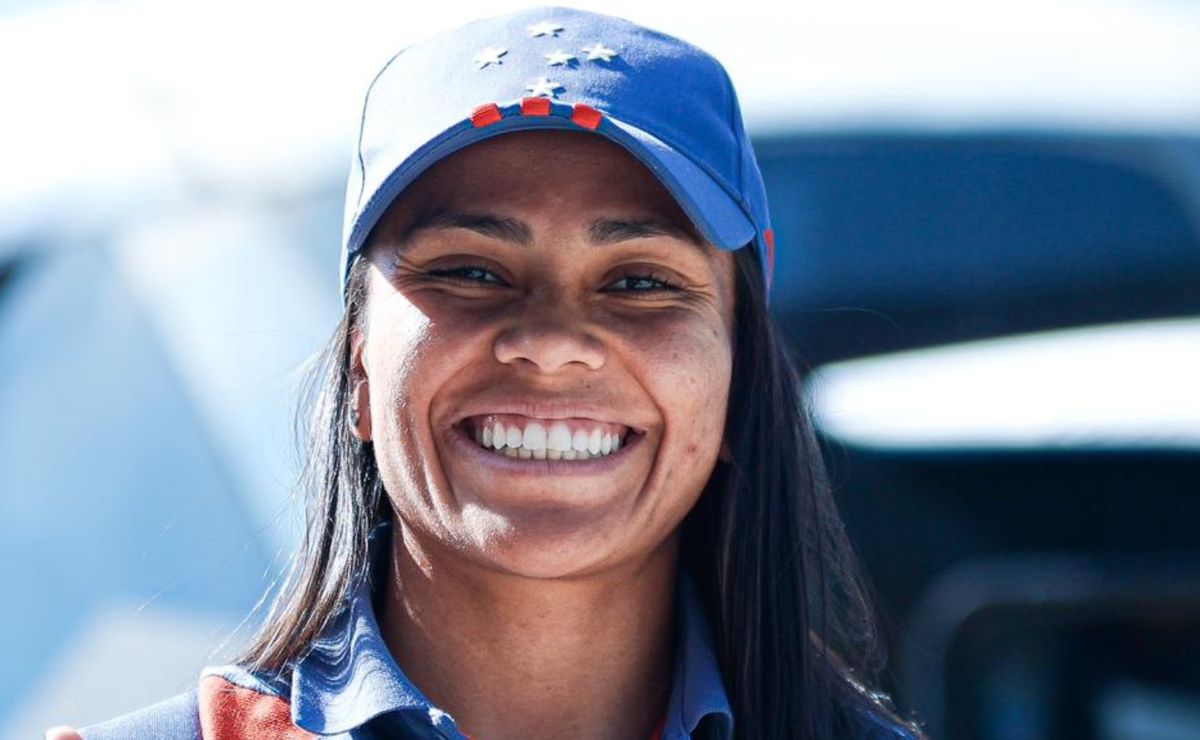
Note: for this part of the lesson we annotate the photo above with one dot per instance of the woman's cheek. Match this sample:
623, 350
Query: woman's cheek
691, 369
400, 341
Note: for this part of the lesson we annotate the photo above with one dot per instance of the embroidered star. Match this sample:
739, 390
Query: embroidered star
545, 28
559, 58
598, 52
543, 88
490, 55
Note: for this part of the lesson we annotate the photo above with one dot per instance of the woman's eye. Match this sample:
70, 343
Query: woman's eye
642, 284
467, 274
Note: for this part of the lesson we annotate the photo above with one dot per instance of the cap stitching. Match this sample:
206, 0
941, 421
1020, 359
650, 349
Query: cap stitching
362, 127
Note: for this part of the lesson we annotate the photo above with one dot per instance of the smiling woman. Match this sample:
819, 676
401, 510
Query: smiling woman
583, 328
561, 481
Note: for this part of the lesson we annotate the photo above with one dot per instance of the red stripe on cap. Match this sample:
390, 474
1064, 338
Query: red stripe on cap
535, 106
769, 235
485, 115
586, 116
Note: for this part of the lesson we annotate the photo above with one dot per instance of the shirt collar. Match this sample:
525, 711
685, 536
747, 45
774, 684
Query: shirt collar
350, 677
699, 691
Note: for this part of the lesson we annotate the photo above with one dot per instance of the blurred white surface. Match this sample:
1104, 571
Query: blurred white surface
1124, 386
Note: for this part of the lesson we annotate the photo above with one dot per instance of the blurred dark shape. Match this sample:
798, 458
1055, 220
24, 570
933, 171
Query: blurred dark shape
890, 242
1035, 594
8, 271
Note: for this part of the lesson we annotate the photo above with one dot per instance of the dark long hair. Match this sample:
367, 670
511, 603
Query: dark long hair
793, 624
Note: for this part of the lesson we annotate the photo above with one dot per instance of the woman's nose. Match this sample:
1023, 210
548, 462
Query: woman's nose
550, 339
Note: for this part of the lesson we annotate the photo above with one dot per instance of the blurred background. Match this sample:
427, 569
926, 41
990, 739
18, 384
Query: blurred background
988, 217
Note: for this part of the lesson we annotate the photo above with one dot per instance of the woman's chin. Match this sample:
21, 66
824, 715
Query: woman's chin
543, 540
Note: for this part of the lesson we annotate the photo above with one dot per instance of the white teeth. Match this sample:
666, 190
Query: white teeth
594, 441
579, 442
559, 437
537, 442
535, 437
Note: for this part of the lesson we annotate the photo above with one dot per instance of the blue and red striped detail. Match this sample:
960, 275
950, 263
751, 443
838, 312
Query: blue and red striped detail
582, 115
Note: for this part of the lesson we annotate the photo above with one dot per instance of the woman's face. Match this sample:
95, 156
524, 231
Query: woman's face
547, 348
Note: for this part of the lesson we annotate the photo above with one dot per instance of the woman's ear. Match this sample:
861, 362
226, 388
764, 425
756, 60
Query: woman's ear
358, 416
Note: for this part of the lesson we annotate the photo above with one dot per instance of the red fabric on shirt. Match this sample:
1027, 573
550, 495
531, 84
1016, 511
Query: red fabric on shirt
231, 712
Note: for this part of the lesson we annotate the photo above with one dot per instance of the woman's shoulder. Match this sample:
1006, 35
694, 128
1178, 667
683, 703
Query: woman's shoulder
228, 702
177, 718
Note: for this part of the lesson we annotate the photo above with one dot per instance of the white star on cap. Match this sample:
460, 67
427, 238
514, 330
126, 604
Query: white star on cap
545, 28
490, 55
559, 58
543, 88
599, 52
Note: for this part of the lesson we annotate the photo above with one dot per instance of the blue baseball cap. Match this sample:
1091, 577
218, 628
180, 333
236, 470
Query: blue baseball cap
669, 103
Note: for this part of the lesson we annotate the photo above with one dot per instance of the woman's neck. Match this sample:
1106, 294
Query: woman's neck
515, 657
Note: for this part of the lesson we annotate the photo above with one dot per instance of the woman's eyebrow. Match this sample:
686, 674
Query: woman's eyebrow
505, 229
609, 231
600, 231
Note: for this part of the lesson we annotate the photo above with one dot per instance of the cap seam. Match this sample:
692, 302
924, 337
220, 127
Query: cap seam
362, 127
